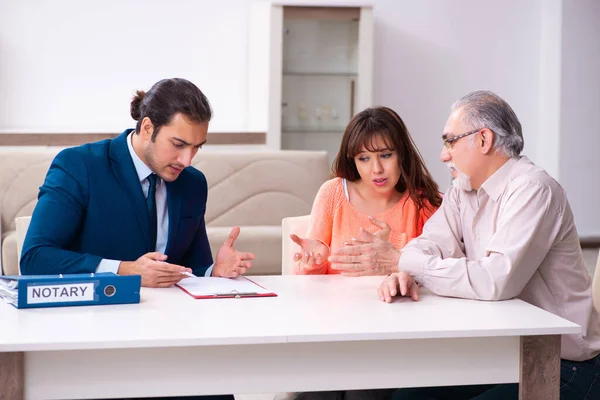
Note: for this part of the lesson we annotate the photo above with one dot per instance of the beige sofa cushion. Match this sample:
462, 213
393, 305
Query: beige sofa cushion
251, 189
21, 175
263, 241
260, 187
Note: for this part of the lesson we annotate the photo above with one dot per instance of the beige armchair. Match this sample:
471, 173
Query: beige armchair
596, 285
21, 224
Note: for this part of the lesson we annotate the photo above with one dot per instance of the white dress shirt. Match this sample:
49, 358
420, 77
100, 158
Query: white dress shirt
514, 237
162, 213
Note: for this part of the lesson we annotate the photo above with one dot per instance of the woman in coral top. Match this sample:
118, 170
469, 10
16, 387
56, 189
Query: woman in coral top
381, 185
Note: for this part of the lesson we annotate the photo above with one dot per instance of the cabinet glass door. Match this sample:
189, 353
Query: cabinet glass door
320, 63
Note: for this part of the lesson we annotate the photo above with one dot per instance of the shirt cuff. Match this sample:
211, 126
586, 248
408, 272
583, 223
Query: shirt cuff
107, 265
413, 263
208, 272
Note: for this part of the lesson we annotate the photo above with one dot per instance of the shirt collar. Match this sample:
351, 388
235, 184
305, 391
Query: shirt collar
494, 185
142, 169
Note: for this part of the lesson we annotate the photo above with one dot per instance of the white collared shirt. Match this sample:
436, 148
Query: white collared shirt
514, 237
162, 213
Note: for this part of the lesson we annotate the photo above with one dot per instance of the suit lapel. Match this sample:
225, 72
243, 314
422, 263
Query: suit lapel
174, 200
124, 170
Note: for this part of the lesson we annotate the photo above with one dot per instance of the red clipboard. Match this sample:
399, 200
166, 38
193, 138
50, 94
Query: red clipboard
246, 288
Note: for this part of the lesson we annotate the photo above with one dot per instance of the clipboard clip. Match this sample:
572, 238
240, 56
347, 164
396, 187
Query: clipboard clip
237, 295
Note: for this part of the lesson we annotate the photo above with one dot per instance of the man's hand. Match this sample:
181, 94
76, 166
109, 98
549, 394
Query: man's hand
313, 251
367, 255
154, 270
398, 283
230, 263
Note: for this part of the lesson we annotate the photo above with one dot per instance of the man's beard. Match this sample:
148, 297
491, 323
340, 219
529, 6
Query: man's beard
462, 181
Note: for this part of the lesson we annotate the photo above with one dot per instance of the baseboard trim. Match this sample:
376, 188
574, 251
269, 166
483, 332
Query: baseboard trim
589, 242
75, 139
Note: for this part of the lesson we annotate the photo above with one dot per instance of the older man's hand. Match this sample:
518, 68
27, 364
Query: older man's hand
399, 283
367, 255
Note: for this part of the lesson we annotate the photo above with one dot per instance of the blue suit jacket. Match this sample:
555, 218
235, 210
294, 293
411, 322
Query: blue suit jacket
91, 206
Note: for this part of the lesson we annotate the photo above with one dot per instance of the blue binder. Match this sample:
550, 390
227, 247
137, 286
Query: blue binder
32, 291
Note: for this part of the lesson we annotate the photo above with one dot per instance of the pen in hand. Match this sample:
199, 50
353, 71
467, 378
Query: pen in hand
188, 274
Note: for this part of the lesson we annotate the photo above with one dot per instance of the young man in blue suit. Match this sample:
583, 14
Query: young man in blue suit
133, 204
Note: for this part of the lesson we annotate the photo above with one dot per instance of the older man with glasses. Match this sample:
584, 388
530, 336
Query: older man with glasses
505, 229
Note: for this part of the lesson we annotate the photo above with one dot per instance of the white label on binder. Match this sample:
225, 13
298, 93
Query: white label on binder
66, 293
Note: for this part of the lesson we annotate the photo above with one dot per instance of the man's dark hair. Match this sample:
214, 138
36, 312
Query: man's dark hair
167, 98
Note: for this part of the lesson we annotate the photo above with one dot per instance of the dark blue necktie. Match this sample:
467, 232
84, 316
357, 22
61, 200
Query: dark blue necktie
151, 204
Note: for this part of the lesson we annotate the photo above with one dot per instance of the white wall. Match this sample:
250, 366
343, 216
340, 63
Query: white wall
580, 112
71, 65
547, 140
430, 53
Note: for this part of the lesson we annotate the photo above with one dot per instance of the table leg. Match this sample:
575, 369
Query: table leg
540, 368
12, 376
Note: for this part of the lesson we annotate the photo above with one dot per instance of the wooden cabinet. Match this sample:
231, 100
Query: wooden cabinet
310, 71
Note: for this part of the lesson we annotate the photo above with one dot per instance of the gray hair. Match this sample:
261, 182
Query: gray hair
485, 109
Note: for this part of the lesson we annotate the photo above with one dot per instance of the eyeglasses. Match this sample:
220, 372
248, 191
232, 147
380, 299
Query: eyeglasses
448, 142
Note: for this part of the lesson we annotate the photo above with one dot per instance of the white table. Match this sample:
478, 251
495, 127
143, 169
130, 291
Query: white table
321, 333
